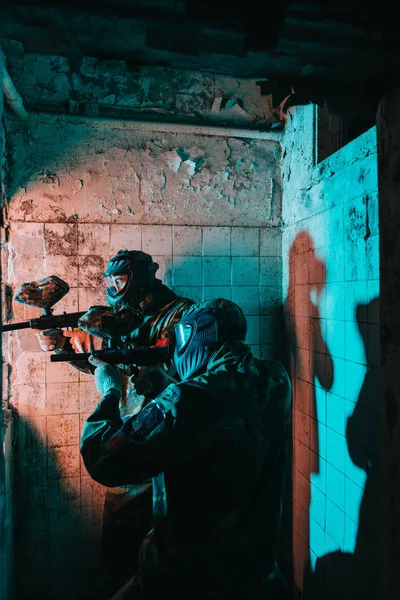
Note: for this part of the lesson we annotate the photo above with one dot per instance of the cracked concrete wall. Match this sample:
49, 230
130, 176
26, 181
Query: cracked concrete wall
206, 207
331, 287
112, 89
67, 170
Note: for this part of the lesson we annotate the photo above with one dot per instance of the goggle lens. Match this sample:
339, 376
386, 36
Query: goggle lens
116, 284
183, 334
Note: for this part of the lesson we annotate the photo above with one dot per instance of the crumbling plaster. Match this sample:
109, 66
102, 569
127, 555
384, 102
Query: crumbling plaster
114, 89
65, 170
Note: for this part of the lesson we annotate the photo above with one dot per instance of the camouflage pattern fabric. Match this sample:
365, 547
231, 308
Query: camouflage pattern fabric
128, 509
222, 448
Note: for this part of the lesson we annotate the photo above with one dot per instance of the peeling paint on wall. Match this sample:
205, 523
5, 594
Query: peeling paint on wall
111, 89
87, 173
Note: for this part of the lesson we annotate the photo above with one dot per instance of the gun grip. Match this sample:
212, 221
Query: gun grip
50, 332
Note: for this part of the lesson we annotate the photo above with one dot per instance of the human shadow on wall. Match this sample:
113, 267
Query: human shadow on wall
56, 552
356, 576
308, 360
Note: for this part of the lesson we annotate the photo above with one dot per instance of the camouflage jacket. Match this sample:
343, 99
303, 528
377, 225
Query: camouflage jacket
217, 445
162, 309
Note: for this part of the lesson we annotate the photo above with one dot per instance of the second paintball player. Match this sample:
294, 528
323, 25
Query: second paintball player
216, 445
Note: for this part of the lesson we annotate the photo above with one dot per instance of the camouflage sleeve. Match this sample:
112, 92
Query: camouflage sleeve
163, 434
117, 453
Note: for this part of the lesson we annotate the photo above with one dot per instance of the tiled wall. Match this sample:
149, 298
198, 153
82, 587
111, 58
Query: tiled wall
331, 307
59, 507
6, 524
239, 263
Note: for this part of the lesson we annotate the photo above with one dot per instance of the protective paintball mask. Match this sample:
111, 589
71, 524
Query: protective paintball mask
128, 276
197, 336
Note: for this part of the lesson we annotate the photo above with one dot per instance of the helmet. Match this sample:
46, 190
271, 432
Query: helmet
202, 330
128, 276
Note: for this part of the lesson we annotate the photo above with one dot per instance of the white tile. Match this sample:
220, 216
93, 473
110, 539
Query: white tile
271, 271
216, 241
125, 237
270, 299
271, 241
248, 298
157, 239
372, 257
187, 241
217, 270
336, 338
188, 271
94, 239
355, 260
165, 270
245, 241
245, 270
335, 262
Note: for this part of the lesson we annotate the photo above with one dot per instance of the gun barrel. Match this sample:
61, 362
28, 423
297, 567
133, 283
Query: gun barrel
47, 322
70, 357
140, 356
15, 326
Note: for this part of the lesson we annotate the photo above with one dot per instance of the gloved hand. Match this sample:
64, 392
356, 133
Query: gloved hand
151, 381
82, 341
50, 339
106, 377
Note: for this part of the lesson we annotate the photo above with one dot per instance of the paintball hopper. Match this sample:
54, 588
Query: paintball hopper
43, 293
109, 324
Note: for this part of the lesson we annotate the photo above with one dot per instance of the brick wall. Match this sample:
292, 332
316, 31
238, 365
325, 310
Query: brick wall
331, 305
207, 209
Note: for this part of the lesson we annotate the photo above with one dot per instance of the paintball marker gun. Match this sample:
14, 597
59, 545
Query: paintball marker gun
111, 324
139, 356
103, 322
44, 294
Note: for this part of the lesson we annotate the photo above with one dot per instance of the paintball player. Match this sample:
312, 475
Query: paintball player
130, 282
215, 444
